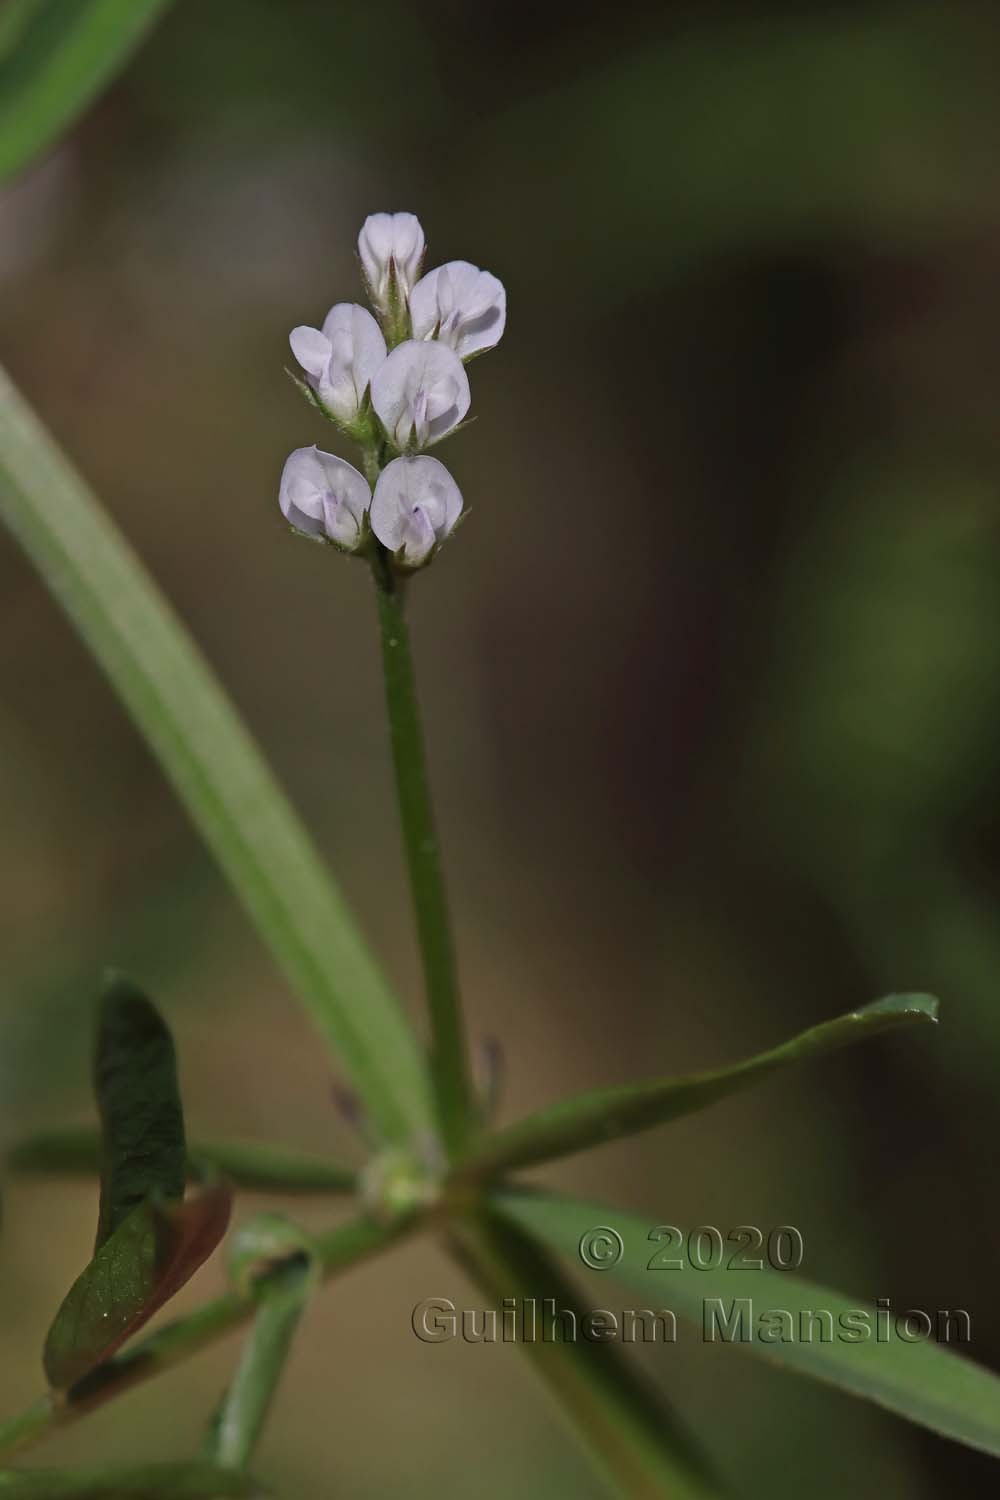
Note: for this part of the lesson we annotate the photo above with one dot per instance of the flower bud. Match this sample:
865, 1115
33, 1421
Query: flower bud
420, 394
464, 307
341, 360
391, 247
415, 507
324, 497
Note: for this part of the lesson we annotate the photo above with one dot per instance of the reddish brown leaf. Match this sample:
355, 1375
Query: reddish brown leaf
141, 1266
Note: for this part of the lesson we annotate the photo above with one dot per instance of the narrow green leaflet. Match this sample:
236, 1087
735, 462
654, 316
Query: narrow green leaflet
281, 1297
248, 1164
141, 1266
193, 1481
55, 57
604, 1114
781, 1317
213, 764
142, 1123
622, 1420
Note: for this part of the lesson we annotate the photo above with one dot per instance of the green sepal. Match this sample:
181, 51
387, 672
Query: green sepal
396, 324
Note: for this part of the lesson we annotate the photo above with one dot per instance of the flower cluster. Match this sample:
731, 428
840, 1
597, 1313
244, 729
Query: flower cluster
395, 383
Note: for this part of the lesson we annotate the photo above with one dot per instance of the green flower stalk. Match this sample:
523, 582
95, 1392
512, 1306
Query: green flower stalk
397, 395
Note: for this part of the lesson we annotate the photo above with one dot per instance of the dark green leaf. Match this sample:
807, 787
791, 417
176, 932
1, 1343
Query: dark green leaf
604, 1114
189, 1481
248, 1164
55, 57
623, 1420
142, 1124
141, 1266
923, 1381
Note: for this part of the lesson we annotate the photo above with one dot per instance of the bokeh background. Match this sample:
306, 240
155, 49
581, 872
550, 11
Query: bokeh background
712, 674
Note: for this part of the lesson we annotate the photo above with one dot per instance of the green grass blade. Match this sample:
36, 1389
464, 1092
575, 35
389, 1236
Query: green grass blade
257, 1165
604, 1114
55, 57
213, 764
622, 1420
924, 1381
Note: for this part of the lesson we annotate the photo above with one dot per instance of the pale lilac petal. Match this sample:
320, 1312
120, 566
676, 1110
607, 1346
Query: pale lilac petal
464, 307
415, 506
420, 393
312, 350
324, 496
341, 359
357, 345
385, 239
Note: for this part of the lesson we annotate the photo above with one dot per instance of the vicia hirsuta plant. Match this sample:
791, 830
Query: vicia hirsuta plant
394, 382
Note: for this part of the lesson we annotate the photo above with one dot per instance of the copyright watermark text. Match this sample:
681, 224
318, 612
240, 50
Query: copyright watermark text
737, 1320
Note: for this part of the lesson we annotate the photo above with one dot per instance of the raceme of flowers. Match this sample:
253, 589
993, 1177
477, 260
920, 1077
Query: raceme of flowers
395, 382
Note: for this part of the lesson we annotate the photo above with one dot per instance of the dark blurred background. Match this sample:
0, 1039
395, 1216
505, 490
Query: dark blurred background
711, 676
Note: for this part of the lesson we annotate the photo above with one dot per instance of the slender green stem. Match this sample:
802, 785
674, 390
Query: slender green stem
162, 1481
449, 1061
345, 1246
250, 1164
630, 1431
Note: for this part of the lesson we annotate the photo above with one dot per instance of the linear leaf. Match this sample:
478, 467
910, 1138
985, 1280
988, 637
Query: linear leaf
248, 1164
213, 764
55, 57
179, 1481
604, 1114
142, 1123
141, 1266
281, 1294
922, 1381
623, 1421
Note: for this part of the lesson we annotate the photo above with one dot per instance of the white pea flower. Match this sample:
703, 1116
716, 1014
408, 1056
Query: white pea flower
464, 307
325, 497
416, 505
390, 242
420, 393
341, 359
